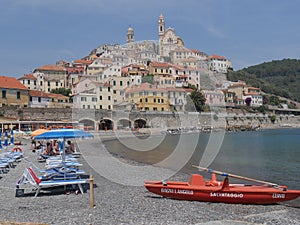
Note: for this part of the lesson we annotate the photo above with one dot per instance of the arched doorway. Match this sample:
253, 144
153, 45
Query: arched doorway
88, 124
124, 124
140, 123
106, 124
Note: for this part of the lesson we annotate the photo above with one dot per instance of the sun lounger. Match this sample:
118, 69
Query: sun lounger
30, 176
57, 172
61, 164
4, 167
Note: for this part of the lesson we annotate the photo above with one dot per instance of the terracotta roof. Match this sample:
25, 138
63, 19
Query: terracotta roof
51, 68
145, 87
53, 95
179, 89
28, 77
11, 83
253, 88
195, 50
158, 64
238, 85
226, 91
33, 93
83, 61
216, 57
253, 93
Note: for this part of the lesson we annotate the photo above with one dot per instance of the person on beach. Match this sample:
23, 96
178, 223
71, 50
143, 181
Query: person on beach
45, 152
54, 148
70, 148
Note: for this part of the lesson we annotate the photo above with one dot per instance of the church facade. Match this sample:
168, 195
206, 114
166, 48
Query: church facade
168, 40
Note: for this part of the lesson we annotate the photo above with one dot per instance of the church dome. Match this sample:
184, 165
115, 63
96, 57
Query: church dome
130, 29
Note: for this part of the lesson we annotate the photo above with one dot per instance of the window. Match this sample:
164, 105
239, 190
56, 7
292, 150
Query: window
100, 97
121, 83
141, 100
162, 101
114, 83
39, 99
30, 99
34, 82
56, 84
94, 99
3, 93
108, 89
146, 99
108, 98
28, 82
115, 92
18, 95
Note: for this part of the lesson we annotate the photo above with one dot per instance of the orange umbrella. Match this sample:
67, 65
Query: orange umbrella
38, 132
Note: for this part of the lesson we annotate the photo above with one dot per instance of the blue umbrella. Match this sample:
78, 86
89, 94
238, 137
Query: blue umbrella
12, 137
64, 134
6, 139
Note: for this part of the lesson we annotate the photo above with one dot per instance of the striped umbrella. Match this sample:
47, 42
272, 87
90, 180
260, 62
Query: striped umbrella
6, 139
12, 137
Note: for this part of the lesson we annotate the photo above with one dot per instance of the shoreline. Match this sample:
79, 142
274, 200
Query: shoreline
120, 204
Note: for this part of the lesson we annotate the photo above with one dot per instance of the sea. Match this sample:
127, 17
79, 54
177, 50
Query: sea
268, 155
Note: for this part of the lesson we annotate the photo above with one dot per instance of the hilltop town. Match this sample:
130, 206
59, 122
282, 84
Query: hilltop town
151, 76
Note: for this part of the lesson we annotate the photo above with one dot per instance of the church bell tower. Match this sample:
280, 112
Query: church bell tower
130, 35
161, 32
161, 26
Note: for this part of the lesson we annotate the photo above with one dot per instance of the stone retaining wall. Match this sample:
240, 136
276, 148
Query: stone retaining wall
156, 119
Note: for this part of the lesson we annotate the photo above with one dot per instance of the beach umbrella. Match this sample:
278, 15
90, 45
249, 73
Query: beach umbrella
6, 139
63, 134
38, 132
12, 136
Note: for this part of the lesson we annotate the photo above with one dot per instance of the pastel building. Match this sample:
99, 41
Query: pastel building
147, 97
13, 92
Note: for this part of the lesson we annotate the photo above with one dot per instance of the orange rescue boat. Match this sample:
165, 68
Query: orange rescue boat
216, 191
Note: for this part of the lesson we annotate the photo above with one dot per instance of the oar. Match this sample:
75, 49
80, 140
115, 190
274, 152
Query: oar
237, 176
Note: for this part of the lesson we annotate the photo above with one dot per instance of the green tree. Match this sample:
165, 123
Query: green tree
62, 91
148, 79
196, 101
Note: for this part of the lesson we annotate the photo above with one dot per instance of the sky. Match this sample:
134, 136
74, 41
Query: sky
34, 33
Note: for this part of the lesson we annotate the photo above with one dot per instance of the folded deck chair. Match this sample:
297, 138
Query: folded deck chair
62, 164
30, 177
4, 167
57, 172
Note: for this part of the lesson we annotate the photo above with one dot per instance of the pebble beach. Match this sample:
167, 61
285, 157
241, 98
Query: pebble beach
119, 204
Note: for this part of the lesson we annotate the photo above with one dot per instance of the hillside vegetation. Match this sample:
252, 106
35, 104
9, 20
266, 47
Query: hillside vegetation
279, 77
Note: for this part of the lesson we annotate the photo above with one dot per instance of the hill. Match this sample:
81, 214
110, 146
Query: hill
279, 77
